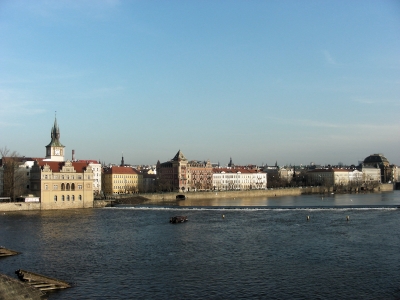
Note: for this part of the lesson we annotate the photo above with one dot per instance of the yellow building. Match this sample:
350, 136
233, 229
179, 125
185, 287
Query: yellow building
62, 185
122, 180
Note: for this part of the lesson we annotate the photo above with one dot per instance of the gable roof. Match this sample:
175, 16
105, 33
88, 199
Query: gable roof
179, 156
121, 170
56, 166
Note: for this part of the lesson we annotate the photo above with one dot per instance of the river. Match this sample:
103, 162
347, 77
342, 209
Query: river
304, 247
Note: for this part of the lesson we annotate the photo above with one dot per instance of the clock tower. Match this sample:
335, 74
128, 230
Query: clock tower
55, 150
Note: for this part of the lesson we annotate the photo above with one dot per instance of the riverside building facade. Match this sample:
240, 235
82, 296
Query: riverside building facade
183, 175
62, 185
122, 180
238, 179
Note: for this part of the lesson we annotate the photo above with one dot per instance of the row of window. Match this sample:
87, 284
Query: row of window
64, 177
64, 187
67, 198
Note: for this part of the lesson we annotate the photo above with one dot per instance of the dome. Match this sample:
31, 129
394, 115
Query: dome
376, 159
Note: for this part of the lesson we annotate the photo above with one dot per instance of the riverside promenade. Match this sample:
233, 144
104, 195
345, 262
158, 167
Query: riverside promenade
157, 198
167, 198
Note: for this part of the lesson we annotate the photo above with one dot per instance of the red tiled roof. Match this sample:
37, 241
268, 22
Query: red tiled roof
56, 166
88, 161
235, 170
121, 170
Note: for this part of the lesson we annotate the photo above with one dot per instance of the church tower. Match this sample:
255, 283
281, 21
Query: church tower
55, 150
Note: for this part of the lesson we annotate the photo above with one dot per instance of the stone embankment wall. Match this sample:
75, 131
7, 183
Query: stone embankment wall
386, 187
227, 194
17, 206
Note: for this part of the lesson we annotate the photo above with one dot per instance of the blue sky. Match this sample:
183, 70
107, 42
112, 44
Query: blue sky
259, 81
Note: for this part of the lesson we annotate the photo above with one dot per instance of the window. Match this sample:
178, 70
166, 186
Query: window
46, 186
73, 197
55, 187
80, 197
79, 186
67, 197
55, 198
73, 187
62, 197
62, 186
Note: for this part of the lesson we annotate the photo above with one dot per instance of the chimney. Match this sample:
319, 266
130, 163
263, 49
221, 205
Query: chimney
73, 155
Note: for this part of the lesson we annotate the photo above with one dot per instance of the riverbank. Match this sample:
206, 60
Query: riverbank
165, 198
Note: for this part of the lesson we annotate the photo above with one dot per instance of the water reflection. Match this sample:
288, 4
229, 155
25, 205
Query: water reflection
384, 198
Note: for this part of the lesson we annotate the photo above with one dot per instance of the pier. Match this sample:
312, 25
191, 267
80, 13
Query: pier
7, 252
41, 282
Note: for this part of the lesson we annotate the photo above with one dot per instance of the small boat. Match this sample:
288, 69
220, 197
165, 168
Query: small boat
178, 219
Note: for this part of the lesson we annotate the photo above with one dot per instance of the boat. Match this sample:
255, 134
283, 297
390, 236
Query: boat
178, 219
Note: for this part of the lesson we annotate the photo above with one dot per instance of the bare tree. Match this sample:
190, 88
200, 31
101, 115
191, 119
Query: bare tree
15, 178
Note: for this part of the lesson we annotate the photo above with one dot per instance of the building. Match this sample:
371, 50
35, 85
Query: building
238, 179
179, 174
199, 175
62, 185
173, 175
97, 170
388, 172
122, 180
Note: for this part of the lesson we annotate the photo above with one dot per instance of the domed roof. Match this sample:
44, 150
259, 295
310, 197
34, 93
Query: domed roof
376, 159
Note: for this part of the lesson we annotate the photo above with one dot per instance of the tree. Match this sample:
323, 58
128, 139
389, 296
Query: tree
15, 178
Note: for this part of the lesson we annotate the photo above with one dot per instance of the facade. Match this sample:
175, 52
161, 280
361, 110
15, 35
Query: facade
280, 173
149, 180
388, 172
238, 179
122, 180
343, 177
173, 175
62, 185
179, 174
97, 170
199, 175
328, 177
371, 174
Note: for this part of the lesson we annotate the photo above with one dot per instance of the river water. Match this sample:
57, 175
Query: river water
255, 248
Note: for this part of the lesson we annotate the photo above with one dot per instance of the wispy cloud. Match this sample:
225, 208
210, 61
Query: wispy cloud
376, 101
12, 105
329, 58
390, 127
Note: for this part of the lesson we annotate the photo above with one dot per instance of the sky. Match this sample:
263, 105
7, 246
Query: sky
283, 81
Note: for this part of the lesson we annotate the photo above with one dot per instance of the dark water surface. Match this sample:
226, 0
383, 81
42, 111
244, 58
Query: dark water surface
262, 249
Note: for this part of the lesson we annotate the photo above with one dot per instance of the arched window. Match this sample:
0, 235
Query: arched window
68, 187
73, 197
67, 197
62, 197
62, 186
80, 197
55, 198
72, 186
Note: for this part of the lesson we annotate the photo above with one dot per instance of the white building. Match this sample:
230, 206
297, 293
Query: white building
97, 170
238, 179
